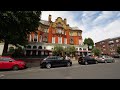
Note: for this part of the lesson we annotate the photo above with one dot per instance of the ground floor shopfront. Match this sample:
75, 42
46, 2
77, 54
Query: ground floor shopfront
45, 49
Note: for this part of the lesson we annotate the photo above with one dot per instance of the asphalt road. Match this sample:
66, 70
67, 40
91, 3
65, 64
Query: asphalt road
93, 71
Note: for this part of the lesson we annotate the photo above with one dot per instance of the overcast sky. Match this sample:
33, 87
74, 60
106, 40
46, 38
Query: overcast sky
98, 25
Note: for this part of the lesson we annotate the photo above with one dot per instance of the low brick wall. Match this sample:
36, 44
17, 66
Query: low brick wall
35, 62
32, 62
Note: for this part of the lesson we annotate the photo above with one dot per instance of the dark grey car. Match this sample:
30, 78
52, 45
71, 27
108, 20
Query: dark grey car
87, 60
55, 61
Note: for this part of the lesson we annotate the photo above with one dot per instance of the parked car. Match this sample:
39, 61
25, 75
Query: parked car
54, 61
116, 56
87, 60
105, 59
11, 63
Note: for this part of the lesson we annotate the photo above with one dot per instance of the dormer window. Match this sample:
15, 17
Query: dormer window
78, 33
46, 30
59, 31
71, 33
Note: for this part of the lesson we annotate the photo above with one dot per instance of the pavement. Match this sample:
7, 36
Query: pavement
74, 61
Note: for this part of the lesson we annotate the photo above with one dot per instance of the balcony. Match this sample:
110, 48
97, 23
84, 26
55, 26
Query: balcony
111, 42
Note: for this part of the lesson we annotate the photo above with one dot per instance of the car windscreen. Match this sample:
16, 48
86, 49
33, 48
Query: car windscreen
5, 59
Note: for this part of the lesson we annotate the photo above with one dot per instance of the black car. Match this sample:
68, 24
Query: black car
87, 60
116, 56
53, 61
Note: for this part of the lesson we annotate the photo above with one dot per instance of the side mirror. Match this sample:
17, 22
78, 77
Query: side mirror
10, 60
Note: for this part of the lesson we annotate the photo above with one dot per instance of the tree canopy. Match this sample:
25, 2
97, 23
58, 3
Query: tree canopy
89, 42
58, 50
118, 50
96, 51
16, 25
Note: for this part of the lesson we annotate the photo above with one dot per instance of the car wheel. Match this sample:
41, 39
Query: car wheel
86, 63
68, 64
96, 62
48, 65
113, 61
78, 62
105, 61
15, 68
41, 66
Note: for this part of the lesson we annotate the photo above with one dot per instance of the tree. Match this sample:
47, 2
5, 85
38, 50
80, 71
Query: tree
66, 50
118, 50
16, 25
18, 53
58, 50
96, 51
72, 50
89, 42
11, 49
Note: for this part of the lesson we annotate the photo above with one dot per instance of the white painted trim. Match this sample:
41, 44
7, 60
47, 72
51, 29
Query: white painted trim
37, 37
30, 37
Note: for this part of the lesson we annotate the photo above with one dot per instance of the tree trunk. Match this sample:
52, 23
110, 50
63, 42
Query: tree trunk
5, 48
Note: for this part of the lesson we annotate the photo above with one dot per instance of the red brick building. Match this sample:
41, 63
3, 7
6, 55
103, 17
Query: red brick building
109, 46
52, 33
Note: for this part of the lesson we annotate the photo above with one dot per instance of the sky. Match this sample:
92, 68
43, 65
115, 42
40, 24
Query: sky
98, 25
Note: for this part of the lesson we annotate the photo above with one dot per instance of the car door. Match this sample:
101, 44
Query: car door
58, 61
90, 60
51, 60
107, 58
54, 61
6, 64
86, 59
61, 61
1, 63
110, 59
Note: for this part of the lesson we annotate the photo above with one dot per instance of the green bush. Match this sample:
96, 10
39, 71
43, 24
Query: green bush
18, 53
11, 49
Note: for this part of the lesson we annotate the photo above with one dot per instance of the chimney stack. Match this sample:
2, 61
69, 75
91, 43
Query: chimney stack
65, 21
49, 18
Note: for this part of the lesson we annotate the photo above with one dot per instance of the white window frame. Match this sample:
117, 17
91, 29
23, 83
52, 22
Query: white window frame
60, 40
78, 33
65, 40
36, 37
46, 30
40, 38
30, 38
62, 32
53, 39
80, 41
117, 40
65, 32
59, 31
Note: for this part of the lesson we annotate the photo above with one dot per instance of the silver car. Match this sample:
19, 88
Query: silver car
105, 59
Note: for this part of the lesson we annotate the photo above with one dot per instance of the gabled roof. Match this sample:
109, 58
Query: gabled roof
45, 22
75, 28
